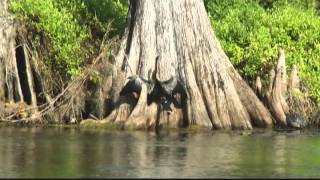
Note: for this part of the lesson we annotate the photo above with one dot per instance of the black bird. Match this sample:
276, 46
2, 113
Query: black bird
173, 86
163, 92
170, 91
133, 86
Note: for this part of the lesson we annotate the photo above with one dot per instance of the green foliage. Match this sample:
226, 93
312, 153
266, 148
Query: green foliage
105, 11
76, 28
61, 27
252, 32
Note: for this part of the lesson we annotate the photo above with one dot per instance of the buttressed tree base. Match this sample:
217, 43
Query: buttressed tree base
171, 71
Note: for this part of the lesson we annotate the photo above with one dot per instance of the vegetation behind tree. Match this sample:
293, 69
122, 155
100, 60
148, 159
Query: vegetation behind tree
250, 31
75, 27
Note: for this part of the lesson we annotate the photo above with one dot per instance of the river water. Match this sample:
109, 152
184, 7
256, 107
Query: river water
67, 152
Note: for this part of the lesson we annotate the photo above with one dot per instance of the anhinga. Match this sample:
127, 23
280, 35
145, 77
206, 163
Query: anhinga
165, 92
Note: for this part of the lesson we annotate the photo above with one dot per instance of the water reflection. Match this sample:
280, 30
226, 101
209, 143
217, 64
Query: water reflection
36, 152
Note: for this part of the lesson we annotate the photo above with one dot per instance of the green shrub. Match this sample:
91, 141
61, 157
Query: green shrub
75, 27
252, 35
60, 25
106, 11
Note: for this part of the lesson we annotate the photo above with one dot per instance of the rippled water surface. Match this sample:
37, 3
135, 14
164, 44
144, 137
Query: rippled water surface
61, 152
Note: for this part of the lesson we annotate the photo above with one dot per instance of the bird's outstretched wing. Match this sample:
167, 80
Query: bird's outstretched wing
169, 85
179, 94
180, 88
133, 85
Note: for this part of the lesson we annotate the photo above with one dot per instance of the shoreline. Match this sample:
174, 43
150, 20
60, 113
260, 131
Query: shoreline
117, 128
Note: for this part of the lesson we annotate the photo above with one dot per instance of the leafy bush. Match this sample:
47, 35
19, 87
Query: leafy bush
106, 11
60, 25
252, 33
75, 27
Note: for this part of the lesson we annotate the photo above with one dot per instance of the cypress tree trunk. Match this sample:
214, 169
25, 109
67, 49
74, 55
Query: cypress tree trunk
10, 82
16, 79
171, 45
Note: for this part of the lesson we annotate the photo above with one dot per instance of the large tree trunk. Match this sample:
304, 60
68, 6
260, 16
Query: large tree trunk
174, 39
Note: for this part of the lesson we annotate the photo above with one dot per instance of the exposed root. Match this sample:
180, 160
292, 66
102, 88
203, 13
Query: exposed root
66, 99
133, 113
276, 99
171, 119
284, 99
122, 111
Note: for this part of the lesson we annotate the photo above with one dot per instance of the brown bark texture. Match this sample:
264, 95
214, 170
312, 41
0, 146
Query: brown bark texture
14, 65
277, 91
279, 96
179, 73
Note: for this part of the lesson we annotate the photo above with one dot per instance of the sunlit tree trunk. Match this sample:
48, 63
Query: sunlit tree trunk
174, 39
16, 80
10, 82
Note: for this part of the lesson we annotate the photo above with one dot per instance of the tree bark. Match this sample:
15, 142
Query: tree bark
278, 91
10, 82
174, 39
258, 87
12, 55
294, 79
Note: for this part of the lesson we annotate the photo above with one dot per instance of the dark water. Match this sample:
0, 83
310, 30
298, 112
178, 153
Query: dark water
57, 153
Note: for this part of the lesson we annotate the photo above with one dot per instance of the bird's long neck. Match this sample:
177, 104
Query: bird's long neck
152, 75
